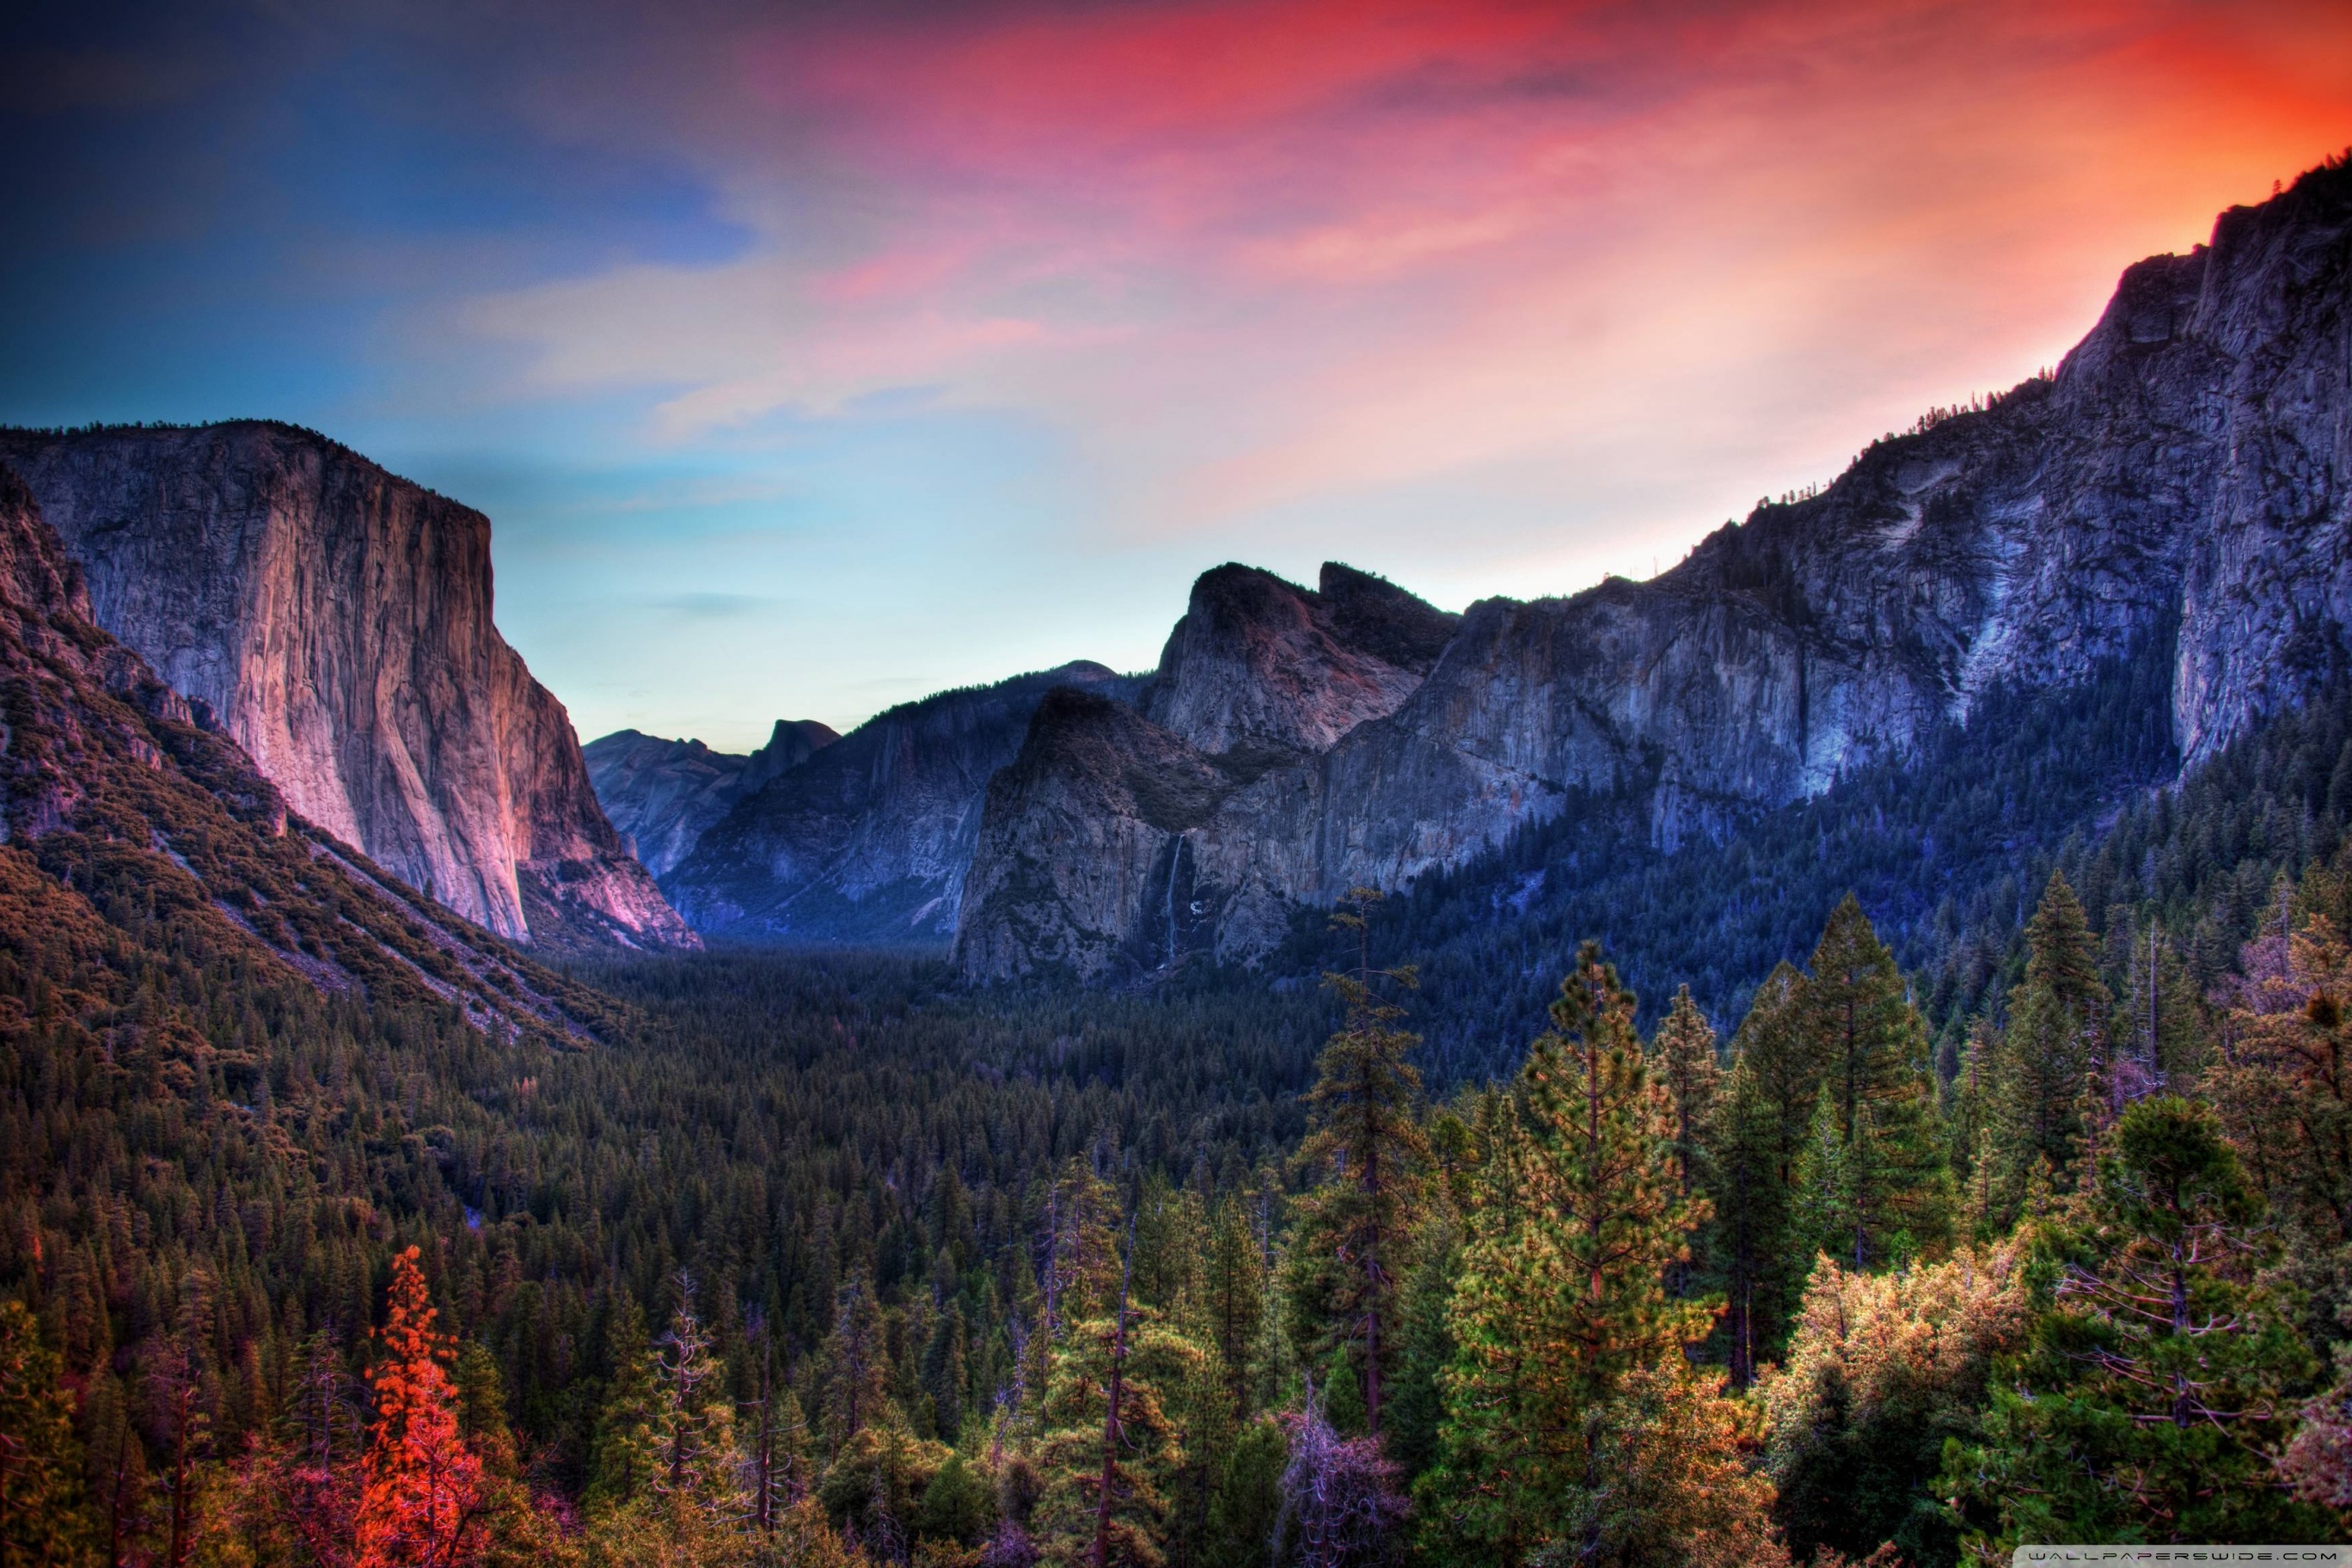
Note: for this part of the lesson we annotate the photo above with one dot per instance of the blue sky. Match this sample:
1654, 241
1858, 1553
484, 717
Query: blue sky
809, 359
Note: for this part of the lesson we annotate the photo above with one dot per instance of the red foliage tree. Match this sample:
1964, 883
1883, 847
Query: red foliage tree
421, 1495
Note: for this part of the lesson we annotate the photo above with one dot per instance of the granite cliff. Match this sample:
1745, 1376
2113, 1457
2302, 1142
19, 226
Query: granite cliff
335, 622
663, 795
2184, 477
125, 824
868, 840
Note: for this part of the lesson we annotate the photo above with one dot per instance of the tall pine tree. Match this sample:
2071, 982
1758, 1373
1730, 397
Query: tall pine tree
1561, 1314
421, 1497
2052, 1048
1764, 1112
1349, 1246
621, 1465
1874, 1186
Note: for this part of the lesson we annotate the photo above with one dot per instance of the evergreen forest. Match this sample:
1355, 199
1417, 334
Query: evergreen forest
1889, 1204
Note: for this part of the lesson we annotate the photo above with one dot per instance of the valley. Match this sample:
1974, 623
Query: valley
1696, 1071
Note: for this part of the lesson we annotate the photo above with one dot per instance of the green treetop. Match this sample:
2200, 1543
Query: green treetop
1872, 1184
1366, 1141
2163, 1378
2057, 1024
1561, 1295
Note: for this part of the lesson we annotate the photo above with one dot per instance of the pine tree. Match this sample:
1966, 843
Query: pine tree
2053, 1047
1751, 1219
1365, 1138
178, 1380
946, 1370
697, 1464
42, 1516
514, 1532
421, 1498
957, 1506
1234, 1299
1678, 1486
1765, 1112
779, 1456
2286, 1086
1561, 1297
1684, 1052
1883, 1368
1078, 1270
1685, 1049
1145, 1451
1416, 1404
877, 1481
1874, 1188
1172, 1233
1246, 1507
1787, 1062
2164, 1376
856, 1364
622, 1461
1968, 1113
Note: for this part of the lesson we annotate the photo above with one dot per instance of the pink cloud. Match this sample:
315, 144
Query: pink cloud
1254, 256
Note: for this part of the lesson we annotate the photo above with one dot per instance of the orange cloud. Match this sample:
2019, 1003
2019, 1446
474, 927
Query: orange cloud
1262, 262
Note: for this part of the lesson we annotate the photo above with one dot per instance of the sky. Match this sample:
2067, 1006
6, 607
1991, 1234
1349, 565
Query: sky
811, 358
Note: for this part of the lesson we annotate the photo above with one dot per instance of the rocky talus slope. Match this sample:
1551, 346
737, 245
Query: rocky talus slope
336, 623
662, 795
868, 840
2181, 480
124, 822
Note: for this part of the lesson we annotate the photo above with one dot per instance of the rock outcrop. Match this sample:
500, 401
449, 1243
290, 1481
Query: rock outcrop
868, 840
2186, 475
661, 795
125, 825
335, 622
1265, 669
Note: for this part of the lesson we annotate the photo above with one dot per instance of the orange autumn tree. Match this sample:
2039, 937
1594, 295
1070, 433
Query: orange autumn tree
422, 1493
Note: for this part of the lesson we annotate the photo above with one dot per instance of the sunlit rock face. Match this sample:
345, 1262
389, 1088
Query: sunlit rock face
663, 795
868, 841
2182, 477
336, 622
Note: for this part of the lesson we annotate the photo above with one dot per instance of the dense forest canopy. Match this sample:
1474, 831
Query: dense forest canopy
2013, 1218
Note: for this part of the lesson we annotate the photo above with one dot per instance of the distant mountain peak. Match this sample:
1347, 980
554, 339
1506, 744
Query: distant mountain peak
662, 795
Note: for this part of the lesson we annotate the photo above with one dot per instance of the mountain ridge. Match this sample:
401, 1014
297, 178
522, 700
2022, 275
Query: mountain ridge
868, 842
661, 795
2190, 459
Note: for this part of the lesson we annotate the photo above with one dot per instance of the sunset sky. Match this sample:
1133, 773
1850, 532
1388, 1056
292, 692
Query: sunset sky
812, 358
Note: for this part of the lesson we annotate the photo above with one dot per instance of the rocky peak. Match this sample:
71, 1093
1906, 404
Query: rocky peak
337, 621
1374, 615
869, 839
1261, 664
1097, 873
662, 795
792, 742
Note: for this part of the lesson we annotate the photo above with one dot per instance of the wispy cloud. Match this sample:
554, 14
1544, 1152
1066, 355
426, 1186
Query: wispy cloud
1248, 255
718, 606
951, 338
